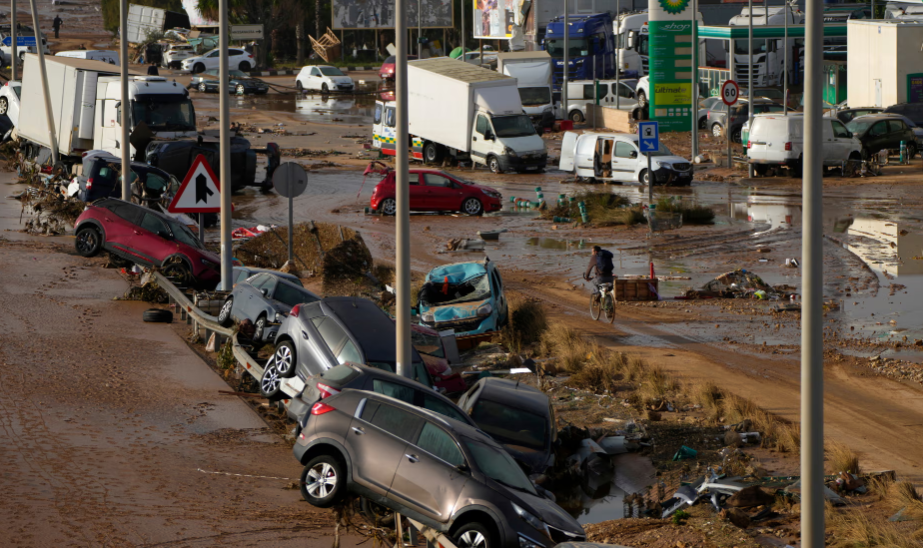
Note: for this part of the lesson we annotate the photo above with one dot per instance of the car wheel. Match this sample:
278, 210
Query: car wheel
178, 272
323, 482
244, 67
88, 241
284, 358
157, 315
911, 148
198, 67
473, 535
202, 87
576, 117
324, 88
298, 86
271, 382
472, 206
388, 206
716, 130
240, 89
645, 177
494, 164
4, 105
642, 99
224, 317
259, 328
431, 153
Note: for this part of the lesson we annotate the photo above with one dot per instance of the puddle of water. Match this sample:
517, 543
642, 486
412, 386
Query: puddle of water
352, 109
563, 245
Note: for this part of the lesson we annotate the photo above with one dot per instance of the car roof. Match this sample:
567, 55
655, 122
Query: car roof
368, 325
102, 201
876, 116
256, 271
459, 427
515, 394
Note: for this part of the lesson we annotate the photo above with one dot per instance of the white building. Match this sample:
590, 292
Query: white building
885, 64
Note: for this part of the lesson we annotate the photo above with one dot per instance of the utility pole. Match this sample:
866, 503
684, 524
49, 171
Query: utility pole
695, 83
564, 104
224, 151
785, 62
125, 106
49, 114
618, 58
419, 29
812, 277
13, 31
402, 175
751, 94
463, 30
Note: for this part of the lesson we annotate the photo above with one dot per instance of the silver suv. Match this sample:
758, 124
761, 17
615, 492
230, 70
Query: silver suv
444, 473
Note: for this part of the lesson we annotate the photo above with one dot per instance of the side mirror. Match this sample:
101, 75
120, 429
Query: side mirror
489, 136
631, 39
264, 291
633, 154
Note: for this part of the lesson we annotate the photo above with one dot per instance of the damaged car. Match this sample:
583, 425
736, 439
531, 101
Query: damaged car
442, 472
432, 349
466, 297
266, 300
617, 157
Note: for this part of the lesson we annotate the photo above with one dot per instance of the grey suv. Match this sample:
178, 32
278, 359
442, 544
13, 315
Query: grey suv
265, 299
439, 471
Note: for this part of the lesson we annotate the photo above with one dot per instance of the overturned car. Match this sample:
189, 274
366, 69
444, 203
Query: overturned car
466, 297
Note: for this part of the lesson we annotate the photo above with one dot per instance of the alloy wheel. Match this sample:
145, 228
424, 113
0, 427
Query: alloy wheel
322, 480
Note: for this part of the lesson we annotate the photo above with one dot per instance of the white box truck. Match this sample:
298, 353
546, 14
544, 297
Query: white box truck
532, 71
145, 20
88, 111
465, 112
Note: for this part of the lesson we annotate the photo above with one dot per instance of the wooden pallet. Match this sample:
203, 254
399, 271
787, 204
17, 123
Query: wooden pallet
639, 289
327, 46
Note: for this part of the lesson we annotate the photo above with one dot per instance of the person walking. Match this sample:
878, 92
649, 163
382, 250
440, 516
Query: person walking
152, 70
57, 24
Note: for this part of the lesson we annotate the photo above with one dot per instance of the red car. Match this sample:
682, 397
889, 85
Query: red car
386, 72
146, 237
433, 190
428, 343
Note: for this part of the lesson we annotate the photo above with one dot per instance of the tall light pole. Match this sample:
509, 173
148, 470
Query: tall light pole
13, 31
785, 63
464, 58
419, 29
565, 107
618, 57
224, 150
49, 114
401, 171
695, 82
812, 274
751, 94
125, 105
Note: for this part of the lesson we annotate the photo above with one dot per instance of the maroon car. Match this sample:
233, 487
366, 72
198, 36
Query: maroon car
387, 68
145, 237
433, 190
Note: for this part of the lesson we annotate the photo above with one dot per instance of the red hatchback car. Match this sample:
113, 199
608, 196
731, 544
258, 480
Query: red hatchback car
146, 237
386, 72
432, 190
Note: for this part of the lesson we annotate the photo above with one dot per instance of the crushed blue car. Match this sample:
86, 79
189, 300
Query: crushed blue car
466, 297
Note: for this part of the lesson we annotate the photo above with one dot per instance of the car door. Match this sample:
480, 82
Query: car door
331, 338
120, 222
898, 132
627, 99
481, 139
212, 60
251, 299
877, 136
428, 478
625, 161
377, 440
152, 241
314, 78
443, 193
842, 140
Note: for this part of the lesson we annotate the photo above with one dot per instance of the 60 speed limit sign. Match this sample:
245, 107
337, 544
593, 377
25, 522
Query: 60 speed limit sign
729, 92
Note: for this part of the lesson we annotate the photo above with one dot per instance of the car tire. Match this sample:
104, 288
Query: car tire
285, 359
4, 105
88, 241
298, 86
198, 68
178, 271
324, 88
388, 207
259, 328
576, 117
472, 206
493, 163
431, 153
244, 66
642, 99
644, 177
224, 316
323, 475
271, 382
157, 315
716, 130
474, 535
202, 88
911, 148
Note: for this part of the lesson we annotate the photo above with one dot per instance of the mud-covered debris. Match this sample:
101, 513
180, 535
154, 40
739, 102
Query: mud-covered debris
749, 497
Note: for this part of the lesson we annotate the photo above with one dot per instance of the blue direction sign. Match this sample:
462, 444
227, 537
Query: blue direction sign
648, 137
27, 41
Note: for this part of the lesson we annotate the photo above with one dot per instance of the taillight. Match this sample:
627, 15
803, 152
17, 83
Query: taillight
90, 183
320, 408
788, 146
295, 310
326, 391
749, 144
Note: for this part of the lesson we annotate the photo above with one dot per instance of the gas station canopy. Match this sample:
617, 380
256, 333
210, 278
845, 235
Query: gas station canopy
738, 32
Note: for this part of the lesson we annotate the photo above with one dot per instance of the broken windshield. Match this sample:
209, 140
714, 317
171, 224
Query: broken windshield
164, 112
443, 293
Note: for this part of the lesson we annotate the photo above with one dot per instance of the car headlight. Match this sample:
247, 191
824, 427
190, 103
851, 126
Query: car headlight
491, 193
485, 310
428, 318
280, 317
208, 263
509, 152
529, 518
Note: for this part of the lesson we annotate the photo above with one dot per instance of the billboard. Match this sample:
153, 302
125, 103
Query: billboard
670, 64
493, 19
379, 14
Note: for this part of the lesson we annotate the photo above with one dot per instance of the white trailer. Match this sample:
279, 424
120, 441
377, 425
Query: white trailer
88, 112
145, 20
532, 71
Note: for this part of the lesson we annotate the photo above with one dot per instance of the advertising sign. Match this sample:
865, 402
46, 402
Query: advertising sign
915, 88
379, 14
670, 64
493, 19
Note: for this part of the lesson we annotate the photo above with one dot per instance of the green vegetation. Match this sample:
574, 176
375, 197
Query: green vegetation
603, 209
693, 214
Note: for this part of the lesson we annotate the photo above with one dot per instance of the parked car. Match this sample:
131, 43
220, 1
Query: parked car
9, 100
618, 157
431, 347
363, 377
238, 82
265, 300
914, 111
881, 131
518, 416
241, 273
433, 190
324, 78
846, 116
917, 130
176, 54
319, 335
466, 297
145, 237
237, 58
739, 113
705, 105
580, 93
100, 178
442, 472
772, 94
386, 72
779, 140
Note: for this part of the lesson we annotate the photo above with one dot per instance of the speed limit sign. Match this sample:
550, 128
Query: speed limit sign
729, 92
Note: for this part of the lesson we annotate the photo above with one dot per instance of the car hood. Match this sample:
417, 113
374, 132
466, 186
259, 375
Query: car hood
211, 256
191, 59
341, 79
671, 160
482, 188
456, 311
547, 511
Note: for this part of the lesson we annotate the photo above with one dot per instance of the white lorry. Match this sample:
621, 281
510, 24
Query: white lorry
532, 71
88, 111
464, 112
768, 53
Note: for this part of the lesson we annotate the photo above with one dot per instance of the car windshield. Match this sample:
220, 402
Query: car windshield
426, 343
331, 71
511, 426
513, 126
859, 126
182, 233
441, 294
498, 465
238, 74
164, 112
555, 47
535, 96
291, 296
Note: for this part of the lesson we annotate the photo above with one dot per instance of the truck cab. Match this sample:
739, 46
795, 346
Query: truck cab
768, 53
632, 40
532, 70
591, 44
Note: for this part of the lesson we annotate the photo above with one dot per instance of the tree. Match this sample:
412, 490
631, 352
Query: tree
273, 14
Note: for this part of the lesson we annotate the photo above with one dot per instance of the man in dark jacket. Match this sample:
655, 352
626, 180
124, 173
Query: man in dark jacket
601, 261
57, 24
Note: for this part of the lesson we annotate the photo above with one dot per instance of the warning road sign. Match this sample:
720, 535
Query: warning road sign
200, 191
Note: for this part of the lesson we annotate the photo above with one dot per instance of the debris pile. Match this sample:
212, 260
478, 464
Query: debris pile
737, 284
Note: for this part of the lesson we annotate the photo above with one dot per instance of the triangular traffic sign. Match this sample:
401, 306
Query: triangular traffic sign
200, 191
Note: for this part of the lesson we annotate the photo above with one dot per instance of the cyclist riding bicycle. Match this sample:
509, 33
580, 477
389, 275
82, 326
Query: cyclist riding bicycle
601, 260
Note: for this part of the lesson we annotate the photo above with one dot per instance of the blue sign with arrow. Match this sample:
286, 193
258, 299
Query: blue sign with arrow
21, 41
648, 137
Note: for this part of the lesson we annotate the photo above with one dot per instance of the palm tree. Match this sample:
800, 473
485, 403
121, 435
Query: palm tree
273, 14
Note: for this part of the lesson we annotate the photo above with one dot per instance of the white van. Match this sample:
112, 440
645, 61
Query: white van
616, 157
103, 55
580, 92
779, 140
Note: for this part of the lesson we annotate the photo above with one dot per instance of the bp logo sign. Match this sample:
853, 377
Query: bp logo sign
674, 7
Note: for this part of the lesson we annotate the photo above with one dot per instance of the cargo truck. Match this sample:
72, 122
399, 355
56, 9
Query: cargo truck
145, 20
464, 112
532, 71
88, 111
591, 44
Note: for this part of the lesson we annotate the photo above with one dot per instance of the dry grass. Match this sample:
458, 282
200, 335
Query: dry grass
904, 496
842, 459
567, 345
527, 324
657, 384
603, 372
710, 397
880, 486
858, 529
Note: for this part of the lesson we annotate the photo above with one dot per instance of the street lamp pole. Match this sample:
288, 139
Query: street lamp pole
402, 197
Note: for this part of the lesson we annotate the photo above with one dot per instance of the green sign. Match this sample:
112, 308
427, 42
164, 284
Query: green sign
670, 67
674, 7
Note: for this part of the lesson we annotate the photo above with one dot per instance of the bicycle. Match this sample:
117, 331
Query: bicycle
603, 301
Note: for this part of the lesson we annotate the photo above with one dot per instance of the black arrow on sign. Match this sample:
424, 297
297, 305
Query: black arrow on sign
202, 192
